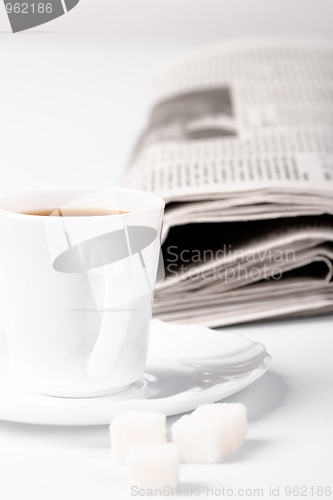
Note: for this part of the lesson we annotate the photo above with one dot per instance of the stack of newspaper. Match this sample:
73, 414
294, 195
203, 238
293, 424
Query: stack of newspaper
240, 145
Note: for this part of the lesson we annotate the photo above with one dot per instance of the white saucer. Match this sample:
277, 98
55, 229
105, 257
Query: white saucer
187, 365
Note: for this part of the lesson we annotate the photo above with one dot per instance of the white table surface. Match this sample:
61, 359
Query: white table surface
290, 438
73, 97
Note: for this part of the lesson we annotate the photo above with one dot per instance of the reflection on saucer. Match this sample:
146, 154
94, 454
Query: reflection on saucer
172, 383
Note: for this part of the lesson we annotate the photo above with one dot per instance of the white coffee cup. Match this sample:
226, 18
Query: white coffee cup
76, 292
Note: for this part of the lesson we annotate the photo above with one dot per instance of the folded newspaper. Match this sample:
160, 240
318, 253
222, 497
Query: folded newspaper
240, 145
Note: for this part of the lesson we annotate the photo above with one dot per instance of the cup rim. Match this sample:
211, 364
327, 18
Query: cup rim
159, 201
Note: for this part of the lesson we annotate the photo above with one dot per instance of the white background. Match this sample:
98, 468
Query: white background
73, 96
75, 92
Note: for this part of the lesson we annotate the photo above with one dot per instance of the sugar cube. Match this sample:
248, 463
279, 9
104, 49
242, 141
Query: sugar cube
152, 467
234, 417
200, 440
135, 427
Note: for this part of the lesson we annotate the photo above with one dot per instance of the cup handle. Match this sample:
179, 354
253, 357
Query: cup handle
111, 337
